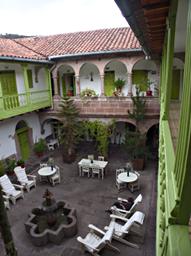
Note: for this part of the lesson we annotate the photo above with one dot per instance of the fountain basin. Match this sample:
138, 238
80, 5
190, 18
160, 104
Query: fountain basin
54, 234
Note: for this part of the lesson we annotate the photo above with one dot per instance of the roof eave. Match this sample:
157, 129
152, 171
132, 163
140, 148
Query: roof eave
9, 58
94, 53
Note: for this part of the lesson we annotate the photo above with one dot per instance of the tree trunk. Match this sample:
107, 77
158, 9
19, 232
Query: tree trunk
5, 229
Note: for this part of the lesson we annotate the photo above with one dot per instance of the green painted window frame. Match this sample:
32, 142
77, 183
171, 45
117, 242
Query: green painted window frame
30, 78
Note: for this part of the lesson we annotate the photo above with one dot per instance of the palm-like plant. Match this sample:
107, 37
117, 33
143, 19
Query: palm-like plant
69, 133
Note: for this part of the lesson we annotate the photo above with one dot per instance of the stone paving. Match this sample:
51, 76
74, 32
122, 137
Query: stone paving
91, 197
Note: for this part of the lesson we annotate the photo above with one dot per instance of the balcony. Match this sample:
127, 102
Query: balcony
109, 107
22, 103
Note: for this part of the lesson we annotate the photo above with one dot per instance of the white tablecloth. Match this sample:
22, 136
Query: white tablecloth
124, 178
97, 163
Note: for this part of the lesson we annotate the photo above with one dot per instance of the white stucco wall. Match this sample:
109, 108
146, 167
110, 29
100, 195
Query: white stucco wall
7, 132
41, 76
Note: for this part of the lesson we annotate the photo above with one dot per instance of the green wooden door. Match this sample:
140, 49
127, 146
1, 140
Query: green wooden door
24, 143
139, 77
175, 84
63, 86
109, 79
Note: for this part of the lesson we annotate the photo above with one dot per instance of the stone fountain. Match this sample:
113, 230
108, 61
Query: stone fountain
52, 222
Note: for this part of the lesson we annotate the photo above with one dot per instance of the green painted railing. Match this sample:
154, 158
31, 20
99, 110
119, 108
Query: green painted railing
24, 102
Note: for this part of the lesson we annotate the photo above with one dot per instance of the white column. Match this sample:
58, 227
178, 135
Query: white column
102, 85
129, 80
55, 81
77, 82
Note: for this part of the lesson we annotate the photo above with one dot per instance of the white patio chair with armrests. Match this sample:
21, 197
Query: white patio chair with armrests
96, 170
97, 239
56, 177
100, 158
85, 169
120, 184
126, 213
9, 189
122, 230
91, 157
28, 181
134, 186
6, 202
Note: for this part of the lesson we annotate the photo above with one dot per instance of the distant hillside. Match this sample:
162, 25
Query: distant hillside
12, 36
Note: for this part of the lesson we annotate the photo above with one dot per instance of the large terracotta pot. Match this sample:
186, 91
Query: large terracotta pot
138, 164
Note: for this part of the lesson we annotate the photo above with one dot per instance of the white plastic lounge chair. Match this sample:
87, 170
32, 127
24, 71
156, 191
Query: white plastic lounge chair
125, 213
28, 181
121, 230
56, 177
97, 239
9, 189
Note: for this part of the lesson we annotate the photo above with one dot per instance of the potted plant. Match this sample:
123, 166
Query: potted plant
119, 84
21, 163
10, 164
39, 147
88, 93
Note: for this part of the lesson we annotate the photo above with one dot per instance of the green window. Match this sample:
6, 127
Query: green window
29, 74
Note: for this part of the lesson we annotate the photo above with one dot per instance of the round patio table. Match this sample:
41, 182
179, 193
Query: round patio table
128, 179
46, 171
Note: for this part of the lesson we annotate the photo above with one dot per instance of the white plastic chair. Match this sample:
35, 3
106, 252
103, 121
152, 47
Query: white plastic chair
28, 181
100, 158
54, 179
134, 186
43, 165
9, 189
96, 170
120, 184
97, 239
91, 157
6, 202
50, 146
125, 213
85, 169
123, 229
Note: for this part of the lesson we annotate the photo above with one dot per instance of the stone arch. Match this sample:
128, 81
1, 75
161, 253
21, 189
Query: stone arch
90, 77
145, 76
148, 123
152, 140
66, 80
120, 129
113, 70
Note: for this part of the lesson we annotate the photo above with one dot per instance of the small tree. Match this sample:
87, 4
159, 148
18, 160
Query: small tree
4, 224
69, 133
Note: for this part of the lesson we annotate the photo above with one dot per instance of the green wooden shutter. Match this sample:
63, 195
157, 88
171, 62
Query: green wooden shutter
109, 79
8, 82
29, 74
139, 77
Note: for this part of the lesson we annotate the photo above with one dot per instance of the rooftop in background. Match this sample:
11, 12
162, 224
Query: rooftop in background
69, 44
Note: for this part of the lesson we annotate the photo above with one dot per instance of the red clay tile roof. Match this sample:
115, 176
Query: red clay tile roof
9, 48
102, 40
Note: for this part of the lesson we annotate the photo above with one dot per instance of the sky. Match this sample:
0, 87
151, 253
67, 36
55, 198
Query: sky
48, 17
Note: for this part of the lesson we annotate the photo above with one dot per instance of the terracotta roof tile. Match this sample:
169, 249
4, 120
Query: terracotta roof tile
10, 48
70, 43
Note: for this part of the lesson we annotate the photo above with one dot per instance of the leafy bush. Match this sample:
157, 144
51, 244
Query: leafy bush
88, 93
40, 146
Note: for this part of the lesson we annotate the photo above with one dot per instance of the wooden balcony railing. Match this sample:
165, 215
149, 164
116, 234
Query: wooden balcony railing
12, 105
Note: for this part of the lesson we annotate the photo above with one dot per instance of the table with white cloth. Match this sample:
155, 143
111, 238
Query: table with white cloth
87, 162
123, 177
46, 172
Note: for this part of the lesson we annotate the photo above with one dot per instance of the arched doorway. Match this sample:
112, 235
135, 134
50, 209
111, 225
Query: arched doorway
152, 141
66, 81
22, 132
114, 70
177, 78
